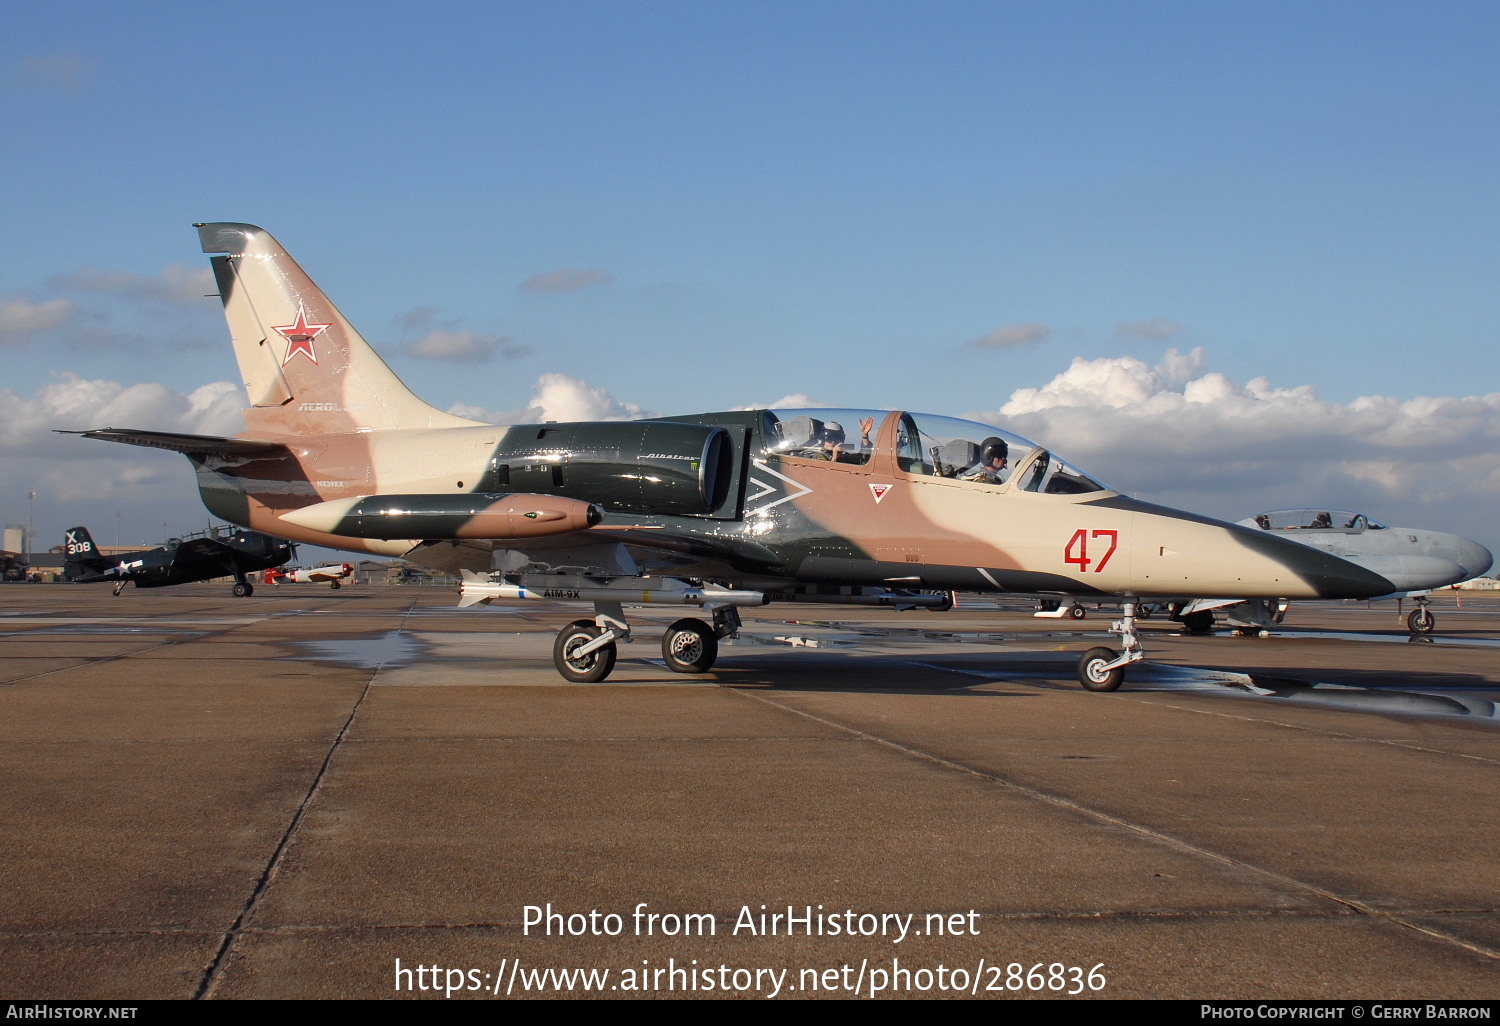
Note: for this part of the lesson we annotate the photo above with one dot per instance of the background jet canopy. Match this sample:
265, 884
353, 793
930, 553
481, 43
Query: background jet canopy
927, 445
1314, 519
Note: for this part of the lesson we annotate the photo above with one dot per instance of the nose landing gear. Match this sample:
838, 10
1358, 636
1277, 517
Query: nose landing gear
1103, 669
1421, 620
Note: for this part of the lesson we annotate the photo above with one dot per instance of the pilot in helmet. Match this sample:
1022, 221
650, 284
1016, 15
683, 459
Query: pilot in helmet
994, 454
832, 439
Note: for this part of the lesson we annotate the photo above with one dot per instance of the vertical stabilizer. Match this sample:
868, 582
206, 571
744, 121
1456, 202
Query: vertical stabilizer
305, 367
80, 554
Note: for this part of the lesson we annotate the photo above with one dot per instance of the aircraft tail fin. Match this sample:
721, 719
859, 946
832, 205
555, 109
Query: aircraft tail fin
306, 368
80, 554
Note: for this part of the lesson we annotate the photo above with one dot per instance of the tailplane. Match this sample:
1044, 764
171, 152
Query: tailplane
306, 368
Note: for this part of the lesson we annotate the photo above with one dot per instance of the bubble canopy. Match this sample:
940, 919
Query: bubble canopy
926, 445
1315, 518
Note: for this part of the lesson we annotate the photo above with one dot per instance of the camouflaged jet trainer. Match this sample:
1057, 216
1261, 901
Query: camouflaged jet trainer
714, 510
219, 552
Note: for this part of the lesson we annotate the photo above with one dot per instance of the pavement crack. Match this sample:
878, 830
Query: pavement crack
212, 973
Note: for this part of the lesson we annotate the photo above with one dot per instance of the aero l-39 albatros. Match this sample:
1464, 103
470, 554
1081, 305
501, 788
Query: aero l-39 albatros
714, 510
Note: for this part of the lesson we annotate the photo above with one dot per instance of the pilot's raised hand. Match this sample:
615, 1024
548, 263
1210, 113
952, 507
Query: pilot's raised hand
865, 427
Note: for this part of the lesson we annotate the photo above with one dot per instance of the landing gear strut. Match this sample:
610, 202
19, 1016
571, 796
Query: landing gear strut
1103, 669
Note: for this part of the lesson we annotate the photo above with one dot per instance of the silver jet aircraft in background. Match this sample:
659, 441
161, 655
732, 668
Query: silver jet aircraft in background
1415, 560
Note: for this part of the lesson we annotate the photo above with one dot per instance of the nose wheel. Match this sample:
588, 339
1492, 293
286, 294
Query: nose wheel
1097, 670
1421, 620
1103, 669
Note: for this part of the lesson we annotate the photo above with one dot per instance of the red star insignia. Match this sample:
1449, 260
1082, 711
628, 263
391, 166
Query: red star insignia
300, 336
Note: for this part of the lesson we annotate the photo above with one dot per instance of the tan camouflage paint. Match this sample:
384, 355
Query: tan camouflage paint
353, 429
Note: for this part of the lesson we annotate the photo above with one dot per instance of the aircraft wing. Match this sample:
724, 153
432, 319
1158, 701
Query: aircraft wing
190, 445
206, 548
653, 551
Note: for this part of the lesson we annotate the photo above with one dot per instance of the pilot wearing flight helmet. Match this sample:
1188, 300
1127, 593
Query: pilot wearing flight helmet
832, 442
994, 457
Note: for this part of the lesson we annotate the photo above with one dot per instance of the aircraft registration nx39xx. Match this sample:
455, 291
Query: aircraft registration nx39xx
713, 510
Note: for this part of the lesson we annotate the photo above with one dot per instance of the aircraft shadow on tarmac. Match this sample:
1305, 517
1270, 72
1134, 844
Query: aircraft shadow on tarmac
818, 668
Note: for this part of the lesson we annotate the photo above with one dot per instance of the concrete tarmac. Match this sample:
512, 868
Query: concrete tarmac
282, 796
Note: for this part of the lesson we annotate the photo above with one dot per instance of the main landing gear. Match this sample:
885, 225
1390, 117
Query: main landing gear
585, 650
1103, 669
242, 587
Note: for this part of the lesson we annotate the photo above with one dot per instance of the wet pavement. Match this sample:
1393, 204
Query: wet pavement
280, 796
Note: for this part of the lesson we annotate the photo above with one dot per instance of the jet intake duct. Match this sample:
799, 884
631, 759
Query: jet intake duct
650, 467
431, 517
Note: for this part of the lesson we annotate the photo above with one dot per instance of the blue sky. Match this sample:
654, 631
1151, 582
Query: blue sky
756, 200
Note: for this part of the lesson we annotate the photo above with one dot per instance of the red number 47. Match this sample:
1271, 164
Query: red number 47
1077, 550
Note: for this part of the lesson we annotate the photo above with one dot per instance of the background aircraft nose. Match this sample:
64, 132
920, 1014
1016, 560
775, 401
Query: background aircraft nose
1476, 559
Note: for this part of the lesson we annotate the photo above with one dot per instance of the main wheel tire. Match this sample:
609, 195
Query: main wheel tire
335, 585
1421, 621
1077, 612
1091, 672
1201, 622
585, 669
689, 646
243, 590
1142, 611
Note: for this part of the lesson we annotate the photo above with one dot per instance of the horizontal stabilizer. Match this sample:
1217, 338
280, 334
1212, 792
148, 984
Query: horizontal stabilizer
191, 445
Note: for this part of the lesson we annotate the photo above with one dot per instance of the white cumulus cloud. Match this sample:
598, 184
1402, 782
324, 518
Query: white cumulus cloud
1178, 433
78, 480
561, 398
75, 403
793, 401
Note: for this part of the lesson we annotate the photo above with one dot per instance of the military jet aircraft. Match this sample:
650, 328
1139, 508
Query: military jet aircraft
1415, 560
713, 510
225, 552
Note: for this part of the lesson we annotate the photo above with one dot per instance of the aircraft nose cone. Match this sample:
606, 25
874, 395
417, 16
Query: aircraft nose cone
1477, 559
